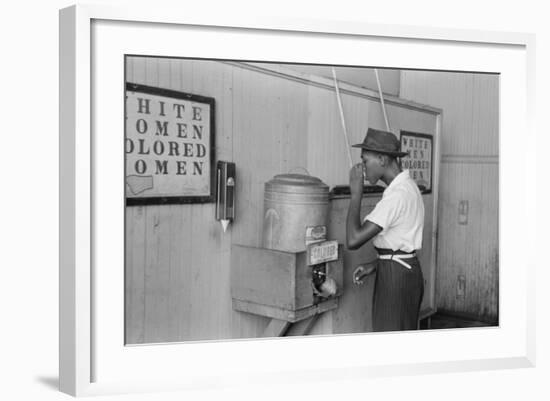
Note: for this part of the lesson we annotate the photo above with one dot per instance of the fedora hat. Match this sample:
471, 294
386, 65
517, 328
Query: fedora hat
381, 142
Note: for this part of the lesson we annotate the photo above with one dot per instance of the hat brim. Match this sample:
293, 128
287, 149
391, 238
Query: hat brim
384, 152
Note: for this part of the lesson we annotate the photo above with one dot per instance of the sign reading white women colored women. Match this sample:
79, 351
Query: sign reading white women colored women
420, 158
168, 145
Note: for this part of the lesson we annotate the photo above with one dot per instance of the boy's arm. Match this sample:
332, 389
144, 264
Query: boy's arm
358, 233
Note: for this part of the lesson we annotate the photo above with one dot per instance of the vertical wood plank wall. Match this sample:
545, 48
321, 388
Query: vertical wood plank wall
469, 172
177, 256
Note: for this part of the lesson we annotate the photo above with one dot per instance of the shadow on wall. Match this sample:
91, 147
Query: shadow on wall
51, 382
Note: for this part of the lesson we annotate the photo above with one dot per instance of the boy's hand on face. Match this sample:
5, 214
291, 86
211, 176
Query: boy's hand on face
356, 178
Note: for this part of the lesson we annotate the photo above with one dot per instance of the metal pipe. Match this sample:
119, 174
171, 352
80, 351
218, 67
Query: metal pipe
382, 100
342, 119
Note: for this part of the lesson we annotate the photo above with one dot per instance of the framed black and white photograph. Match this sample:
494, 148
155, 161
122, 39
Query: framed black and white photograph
239, 204
293, 116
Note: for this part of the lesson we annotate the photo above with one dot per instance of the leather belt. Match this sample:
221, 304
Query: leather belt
398, 258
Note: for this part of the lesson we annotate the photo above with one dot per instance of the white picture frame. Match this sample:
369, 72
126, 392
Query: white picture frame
86, 334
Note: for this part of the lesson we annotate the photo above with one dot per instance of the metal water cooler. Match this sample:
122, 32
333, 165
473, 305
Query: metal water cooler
297, 274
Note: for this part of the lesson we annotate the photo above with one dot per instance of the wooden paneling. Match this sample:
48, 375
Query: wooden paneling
270, 139
135, 275
470, 108
469, 250
327, 153
467, 276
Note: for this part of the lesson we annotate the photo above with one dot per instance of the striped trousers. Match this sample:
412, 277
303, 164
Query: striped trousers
398, 293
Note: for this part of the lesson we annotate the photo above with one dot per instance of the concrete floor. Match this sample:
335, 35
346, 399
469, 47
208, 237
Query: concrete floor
439, 321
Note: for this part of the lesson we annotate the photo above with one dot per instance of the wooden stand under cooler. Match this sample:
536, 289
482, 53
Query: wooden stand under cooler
278, 285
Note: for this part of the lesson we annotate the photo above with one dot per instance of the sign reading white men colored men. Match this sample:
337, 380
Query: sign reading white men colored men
420, 158
169, 146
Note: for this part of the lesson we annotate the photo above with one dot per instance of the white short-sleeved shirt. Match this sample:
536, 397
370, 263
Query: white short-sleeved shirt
400, 213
